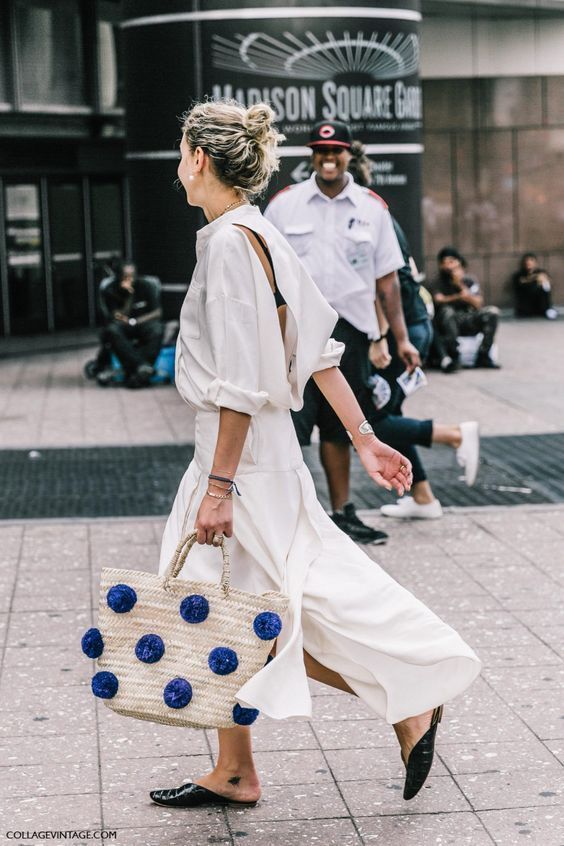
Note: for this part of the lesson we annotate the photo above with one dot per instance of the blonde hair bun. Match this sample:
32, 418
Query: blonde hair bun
242, 143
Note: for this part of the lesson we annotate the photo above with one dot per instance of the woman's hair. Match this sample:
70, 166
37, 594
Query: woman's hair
241, 142
360, 166
524, 258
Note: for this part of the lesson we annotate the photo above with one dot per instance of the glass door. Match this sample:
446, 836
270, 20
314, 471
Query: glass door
27, 293
107, 228
70, 288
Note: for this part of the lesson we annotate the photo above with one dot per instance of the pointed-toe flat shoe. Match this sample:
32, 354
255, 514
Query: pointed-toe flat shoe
190, 795
420, 759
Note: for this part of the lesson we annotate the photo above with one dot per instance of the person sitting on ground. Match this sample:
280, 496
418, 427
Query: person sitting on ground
133, 330
532, 290
460, 310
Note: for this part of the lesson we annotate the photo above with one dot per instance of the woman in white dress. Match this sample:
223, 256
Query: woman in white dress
253, 329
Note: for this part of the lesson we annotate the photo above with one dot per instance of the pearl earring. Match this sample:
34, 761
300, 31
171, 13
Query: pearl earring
190, 177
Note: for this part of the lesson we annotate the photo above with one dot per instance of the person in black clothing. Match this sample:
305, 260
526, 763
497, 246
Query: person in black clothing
133, 328
460, 310
532, 290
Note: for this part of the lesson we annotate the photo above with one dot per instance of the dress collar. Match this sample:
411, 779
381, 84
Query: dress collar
243, 213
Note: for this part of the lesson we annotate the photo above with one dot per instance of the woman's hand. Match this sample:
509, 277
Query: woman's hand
215, 517
379, 354
386, 466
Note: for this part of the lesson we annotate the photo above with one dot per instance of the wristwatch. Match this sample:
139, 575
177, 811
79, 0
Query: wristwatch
132, 321
365, 429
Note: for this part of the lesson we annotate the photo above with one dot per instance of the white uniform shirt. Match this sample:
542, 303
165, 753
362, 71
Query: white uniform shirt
345, 243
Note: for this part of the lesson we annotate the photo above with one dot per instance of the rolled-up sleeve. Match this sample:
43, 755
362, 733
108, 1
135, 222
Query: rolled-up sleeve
331, 355
232, 326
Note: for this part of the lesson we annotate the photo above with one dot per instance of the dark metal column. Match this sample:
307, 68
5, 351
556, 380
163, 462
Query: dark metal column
308, 59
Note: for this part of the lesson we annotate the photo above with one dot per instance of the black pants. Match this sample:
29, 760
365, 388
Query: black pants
451, 322
132, 345
531, 300
401, 433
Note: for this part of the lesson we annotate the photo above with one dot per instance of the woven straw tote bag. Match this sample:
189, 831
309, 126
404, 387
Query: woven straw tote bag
175, 651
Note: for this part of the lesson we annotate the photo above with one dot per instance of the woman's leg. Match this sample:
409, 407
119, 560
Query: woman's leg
234, 774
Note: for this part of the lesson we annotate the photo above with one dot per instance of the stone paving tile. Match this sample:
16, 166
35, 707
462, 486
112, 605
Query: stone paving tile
123, 776
378, 763
468, 758
291, 802
355, 734
531, 653
123, 533
525, 825
338, 708
546, 617
3, 628
122, 738
72, 711
523, 679
297, 767
327, 832
49, 628
55, 813
63, 748
455, 829
275, 735
49, 779
556, 748
182, 834
143, 557
7, 585
544, 717
507, 789
49, 594
122, 809
379, 798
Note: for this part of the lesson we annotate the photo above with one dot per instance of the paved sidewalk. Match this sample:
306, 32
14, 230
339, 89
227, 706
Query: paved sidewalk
496, 574
67, 762
46, 402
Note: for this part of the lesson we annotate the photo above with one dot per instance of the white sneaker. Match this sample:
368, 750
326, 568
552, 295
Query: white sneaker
551, 314
468, 453
407, 509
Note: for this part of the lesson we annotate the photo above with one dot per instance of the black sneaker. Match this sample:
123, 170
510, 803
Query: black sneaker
351, 525
486, 362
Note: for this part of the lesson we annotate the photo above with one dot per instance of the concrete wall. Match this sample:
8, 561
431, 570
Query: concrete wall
493, 166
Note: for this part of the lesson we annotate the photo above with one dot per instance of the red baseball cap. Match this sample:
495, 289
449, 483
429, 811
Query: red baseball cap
330, 133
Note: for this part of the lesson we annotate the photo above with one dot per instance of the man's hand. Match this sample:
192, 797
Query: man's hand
379, 354
121, 318
409, 355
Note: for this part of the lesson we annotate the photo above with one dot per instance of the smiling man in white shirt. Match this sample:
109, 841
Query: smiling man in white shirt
343, 234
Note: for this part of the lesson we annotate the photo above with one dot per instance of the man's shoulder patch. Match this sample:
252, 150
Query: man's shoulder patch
283, 191
376, 196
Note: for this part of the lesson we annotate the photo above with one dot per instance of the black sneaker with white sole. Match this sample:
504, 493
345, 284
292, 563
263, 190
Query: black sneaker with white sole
349, 523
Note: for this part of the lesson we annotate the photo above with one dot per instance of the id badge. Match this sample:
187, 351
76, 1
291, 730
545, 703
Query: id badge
411, 382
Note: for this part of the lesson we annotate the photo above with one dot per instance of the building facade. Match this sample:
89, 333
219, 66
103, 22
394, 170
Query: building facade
493, 139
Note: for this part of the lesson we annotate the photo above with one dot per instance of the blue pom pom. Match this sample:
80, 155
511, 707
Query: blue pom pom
150, 648
244, 716
121, 598
267, 625
92, 643
223, 661
194, 608
105, 685
177, 693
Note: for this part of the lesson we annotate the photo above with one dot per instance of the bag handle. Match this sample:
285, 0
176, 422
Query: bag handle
181, 553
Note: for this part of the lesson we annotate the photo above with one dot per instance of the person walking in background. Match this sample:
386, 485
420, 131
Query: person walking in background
460, 310
133, 330
532, 290
344, 236
254, 329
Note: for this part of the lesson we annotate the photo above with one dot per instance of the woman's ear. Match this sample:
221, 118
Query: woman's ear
199, 160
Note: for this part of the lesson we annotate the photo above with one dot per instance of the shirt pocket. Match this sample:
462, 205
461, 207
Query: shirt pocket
191, 314
359, 249
300, 237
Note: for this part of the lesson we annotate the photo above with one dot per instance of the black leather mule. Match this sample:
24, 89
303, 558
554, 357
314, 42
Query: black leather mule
420, 759
190, 795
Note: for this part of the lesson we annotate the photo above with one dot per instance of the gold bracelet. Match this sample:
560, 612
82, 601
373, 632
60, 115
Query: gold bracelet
218, 496
220, 487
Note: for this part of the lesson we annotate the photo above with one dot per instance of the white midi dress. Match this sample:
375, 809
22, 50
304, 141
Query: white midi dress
345, 611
